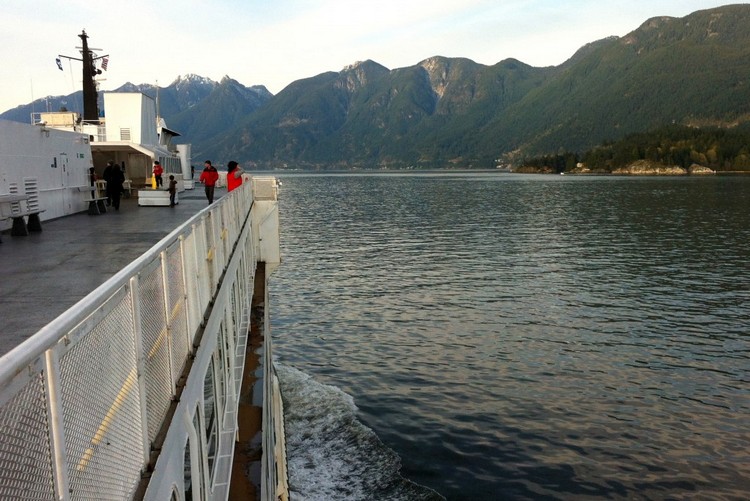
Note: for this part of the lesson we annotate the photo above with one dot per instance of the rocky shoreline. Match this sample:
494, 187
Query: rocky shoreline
638, 168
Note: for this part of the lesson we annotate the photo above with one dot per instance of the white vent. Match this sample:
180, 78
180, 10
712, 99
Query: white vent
31, 188
125, 134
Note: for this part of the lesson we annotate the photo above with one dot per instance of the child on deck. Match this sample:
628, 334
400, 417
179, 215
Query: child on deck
172, 191
158, 171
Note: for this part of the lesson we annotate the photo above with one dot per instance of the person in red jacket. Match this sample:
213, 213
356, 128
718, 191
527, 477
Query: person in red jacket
158, 171
209, 176
234, 175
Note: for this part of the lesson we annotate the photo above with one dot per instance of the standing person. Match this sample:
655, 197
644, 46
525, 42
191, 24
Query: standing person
172, 190
234, 175
107, 176
209, 176
158, 171
114, 187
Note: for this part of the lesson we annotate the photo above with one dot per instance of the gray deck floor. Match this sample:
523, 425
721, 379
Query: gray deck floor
44, 274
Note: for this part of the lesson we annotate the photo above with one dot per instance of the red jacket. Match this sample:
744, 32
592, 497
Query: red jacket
209, 176
158, 170
234, 179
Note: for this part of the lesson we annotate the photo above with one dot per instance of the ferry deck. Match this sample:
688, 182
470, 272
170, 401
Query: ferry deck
44, 274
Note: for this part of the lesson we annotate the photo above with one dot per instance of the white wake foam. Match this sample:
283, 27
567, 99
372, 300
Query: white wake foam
331, 455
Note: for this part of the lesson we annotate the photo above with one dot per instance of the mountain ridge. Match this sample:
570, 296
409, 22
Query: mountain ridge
456, 112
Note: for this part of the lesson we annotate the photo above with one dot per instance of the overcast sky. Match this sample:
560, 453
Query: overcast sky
274, 42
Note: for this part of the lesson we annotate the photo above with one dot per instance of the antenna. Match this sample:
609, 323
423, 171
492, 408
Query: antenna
90, 105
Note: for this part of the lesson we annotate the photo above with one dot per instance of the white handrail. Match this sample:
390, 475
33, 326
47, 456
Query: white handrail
87, 399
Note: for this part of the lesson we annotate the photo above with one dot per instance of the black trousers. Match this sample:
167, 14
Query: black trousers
115, 199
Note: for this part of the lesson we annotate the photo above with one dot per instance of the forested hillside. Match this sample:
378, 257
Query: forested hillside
719, 149
452, 112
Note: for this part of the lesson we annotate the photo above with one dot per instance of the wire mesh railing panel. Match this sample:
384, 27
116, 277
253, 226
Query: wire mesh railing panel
101, 409
235, 222
202, 266
254, 257
25, 432
264, 188
191, 285
176, 311
228, 228
211, 249
80, 406
230, 224
217, 225
155, 343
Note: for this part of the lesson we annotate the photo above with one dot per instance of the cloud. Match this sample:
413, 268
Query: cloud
275, 43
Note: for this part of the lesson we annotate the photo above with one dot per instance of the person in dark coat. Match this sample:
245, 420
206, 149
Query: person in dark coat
107, 176
114, 187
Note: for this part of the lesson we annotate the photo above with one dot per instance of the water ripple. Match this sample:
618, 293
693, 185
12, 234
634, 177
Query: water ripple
525, 337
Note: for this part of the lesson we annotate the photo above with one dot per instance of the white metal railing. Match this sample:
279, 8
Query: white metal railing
88, 403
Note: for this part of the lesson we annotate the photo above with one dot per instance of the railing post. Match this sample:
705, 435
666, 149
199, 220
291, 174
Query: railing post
56, 425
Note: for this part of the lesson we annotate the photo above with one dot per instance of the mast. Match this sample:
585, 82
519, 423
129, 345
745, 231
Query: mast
90, 106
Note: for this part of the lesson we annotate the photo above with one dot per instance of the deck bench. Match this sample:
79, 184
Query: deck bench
20, 227
96, 204
15, 206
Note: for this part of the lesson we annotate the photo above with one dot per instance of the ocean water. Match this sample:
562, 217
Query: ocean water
499, 336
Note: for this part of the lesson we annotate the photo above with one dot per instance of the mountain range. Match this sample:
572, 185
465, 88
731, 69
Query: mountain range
453, 112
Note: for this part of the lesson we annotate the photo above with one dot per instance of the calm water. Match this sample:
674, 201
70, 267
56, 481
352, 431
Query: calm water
515, 337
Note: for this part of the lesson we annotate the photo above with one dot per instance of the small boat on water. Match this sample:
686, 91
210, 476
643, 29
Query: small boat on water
159, 383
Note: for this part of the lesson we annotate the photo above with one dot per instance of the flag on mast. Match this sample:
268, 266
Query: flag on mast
104, 63
59, 63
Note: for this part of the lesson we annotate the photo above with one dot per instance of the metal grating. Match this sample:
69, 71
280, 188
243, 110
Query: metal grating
177, 318
101, 410
25, 454
155, 349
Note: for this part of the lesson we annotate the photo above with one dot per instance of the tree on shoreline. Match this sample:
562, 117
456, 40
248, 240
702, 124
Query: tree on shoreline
722, 150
